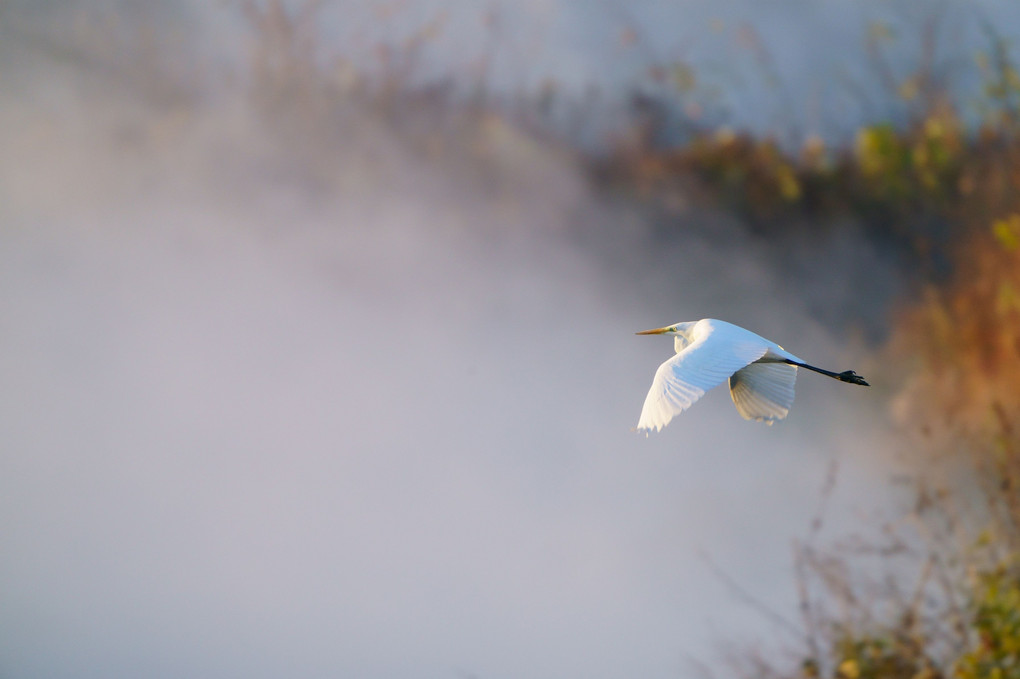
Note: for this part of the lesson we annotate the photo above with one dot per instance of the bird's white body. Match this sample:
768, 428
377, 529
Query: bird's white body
709, 352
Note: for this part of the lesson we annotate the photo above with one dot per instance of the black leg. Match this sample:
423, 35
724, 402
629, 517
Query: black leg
846, 376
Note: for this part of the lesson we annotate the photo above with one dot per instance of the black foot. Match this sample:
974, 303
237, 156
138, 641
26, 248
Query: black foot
852, 377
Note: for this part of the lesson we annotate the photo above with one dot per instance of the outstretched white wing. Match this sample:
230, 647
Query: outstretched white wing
715, 353
764, 391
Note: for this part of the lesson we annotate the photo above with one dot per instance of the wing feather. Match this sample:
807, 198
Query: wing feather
764, 391
713, 355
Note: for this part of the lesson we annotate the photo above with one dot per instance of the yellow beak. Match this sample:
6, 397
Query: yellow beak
656, 331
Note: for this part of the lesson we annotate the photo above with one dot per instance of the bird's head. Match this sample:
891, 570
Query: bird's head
681, 333
682, 329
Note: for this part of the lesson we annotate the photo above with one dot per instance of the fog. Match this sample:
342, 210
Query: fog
258, 423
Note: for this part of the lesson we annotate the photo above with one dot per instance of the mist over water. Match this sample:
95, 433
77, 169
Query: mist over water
257, 422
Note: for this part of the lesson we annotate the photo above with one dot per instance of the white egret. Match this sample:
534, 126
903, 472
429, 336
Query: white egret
761, 373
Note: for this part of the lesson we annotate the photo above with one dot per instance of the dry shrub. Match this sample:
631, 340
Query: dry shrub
957, 351
964, 338
962, 345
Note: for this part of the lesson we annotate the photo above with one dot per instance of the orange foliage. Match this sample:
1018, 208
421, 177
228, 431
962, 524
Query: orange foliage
966, 337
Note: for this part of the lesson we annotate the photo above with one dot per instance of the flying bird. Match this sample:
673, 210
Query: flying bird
761, 373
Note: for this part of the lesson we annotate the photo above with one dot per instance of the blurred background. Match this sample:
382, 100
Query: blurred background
317, 338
